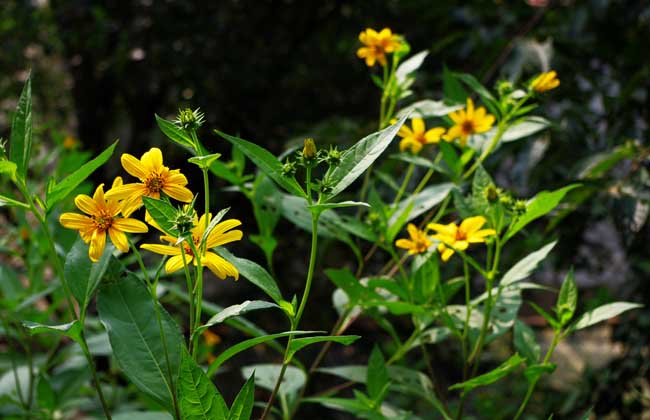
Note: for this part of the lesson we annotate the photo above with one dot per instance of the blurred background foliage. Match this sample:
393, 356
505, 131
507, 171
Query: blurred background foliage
277, 71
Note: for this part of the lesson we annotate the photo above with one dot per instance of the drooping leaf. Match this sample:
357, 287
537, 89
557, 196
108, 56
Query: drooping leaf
244, 345
492, 376
71, 329
254, 273
20, 141
567, 299
603, 313
83, 276
267, 163
300, 343
127, 312
198, 398
60, 190
525, 342
356, 159
377, 373
236, 310
242, 407
525, 266
162, 213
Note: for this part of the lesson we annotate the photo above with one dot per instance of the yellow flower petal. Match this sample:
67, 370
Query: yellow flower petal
178, 193
471, 225
133, 166
86, 204
433, 135
152, 160
127, 190
220, 267
176, 263
448, 252
119, 239
76, 221
418, 125
97, 244
404, 243
445, 230
130, 225
162, 249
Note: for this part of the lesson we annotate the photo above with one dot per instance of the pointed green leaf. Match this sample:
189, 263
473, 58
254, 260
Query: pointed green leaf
567, 299
421, 202
244, 345
235, 310
71, 329
254, 273
127, 312
266, 162
359, 157
489, 100
603, 313
452, 88
163, 213
537, 207
342, 204
9, 202
242, 407
552, 321
377, 373
409, 66
204, 162
525, 343
20, 141
534, 372
490, 377
83, 276
174, 133
525, 266
60, 190
45, 394
524, 128
300, 343
198, 398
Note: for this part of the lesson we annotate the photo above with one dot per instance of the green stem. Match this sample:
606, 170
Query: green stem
190, 292
531, 385
468, 313
402, 188
303, 302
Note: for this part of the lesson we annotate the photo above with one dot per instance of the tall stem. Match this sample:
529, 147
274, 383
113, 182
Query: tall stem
303, 302
402, 188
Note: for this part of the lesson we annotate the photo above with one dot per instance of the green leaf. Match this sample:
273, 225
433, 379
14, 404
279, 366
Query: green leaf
356, 159
602, 313
266, 376
421, 202
163, 213
142, 415
409, 66
71, 329
61, 190
45, 394
548, 317
452, 88
377, 376
489, 100
8, 168
428, 108
244, 345
83, 276
254, 273
490, 377
236, 310
127, 312
345, 404
204, 162
537, 207
534, 372
174, 133
346, 281
567, 300
20, 141
525, 266
242, 407
267, 163
342, 204
6, 201
300, 343
198, 398
524, 128
525, 343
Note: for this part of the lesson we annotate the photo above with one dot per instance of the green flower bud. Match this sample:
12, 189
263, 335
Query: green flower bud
190, 120
309, 149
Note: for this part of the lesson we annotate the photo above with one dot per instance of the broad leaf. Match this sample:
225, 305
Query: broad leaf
254, 273
525, 266
377, 376
127, 312
421, 202
409, 66
525, 342
236, 310
567, 299
20, 141
242, 407
266, 162
174, 133
490, 377
359, 157
602, 313
83, 276
300, 343
60, 190
162, 213
198, 398
71, 329
537, 207
525, 128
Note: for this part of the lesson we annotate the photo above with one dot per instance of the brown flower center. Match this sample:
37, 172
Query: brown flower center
103, 221
467, 127
420, 138
155, 183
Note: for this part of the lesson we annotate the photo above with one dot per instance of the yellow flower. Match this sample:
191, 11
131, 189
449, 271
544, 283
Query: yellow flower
459, 237
155, 178
545, 81
468, 122
418, 243
377, 45
417, 136
221, 234
211, 339
102, 218
70, 143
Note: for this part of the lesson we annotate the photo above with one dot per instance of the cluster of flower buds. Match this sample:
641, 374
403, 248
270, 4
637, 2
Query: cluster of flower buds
310, 157
494, 194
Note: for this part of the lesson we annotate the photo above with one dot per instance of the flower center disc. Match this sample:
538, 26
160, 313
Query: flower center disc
155, 184
103, 222
468, 127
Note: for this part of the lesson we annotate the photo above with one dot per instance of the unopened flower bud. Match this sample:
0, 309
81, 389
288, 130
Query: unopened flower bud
309, 149
189, 120
289, 168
